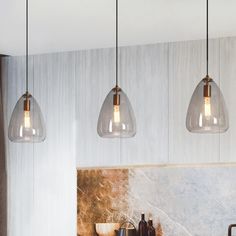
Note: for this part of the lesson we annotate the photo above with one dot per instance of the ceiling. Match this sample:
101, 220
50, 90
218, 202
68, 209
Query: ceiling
67, 25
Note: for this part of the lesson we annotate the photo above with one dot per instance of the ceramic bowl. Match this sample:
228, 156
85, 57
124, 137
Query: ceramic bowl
106, 229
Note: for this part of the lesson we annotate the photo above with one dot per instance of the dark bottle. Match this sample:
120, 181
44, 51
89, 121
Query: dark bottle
142, 226
151, 229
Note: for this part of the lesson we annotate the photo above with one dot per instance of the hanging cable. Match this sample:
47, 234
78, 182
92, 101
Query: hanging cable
27, 46
207, 40
117, 63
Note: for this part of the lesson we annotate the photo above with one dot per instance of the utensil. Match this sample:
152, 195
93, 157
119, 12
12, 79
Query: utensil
126, 231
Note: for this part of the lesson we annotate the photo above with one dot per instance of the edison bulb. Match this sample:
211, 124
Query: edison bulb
207, 107
116, 113
27, 122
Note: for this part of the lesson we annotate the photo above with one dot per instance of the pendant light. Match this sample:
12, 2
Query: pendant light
116, 118
207, 112
27, 123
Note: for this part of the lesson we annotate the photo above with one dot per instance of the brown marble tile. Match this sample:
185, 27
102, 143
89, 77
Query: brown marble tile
101, 197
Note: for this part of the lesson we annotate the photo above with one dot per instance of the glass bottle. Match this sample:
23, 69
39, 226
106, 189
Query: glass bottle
142, 227
151, 229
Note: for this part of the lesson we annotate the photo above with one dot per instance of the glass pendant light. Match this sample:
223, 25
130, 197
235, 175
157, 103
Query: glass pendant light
27, 123
207, 112
116, 118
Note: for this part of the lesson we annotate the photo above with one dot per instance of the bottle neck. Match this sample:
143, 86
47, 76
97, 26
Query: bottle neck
142, 217
150, 223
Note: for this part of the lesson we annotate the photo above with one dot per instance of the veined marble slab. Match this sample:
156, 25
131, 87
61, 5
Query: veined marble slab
183, 201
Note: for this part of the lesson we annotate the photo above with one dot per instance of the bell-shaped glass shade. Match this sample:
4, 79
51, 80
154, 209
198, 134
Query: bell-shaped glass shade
207, 112
116, 118
27, 123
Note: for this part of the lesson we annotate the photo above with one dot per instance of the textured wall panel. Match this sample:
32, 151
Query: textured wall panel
19, 157
71, 87
144, 77
227, 68
95, 77
42, 177
187, 65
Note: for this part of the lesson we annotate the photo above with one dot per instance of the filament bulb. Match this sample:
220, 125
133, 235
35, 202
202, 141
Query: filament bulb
207, 107
27, 122
116, 113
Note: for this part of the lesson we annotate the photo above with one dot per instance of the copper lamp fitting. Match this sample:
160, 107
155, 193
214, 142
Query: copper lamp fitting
207, 90
116, 96
116, 99
207, 86
27, 104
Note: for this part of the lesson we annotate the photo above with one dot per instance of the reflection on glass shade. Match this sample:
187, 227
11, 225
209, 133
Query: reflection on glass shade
116, 118
27, 123
207, 114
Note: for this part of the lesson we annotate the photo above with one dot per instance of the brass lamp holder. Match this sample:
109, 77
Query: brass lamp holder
116, 96
207, 87
27, 102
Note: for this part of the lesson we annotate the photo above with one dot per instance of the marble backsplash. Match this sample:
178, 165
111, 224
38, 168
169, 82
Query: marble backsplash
183, 201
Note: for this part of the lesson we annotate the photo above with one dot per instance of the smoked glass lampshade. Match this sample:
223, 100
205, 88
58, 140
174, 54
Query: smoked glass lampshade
27, 123
116, 118
207, 112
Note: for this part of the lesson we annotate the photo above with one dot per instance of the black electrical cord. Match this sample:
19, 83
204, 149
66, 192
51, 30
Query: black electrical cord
27, 46
207, 39
117, 62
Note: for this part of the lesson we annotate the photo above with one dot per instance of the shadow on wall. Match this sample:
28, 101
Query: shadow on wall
3, 174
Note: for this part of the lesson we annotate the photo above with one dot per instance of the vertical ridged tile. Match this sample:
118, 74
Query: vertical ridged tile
54, 159
42, 177
144, 78
70, 89
228, 87
186, 69
95, 77
19, 163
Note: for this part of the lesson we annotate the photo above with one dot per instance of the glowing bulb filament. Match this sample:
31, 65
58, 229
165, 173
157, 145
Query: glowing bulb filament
116, 113
27, 123
207, 106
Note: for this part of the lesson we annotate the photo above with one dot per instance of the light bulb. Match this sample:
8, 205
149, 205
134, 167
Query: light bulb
207, 107
27, 122
116, 113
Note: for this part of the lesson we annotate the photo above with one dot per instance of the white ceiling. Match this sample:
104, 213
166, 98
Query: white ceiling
67, 25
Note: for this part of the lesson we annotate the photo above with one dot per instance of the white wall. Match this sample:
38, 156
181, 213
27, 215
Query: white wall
70, 88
